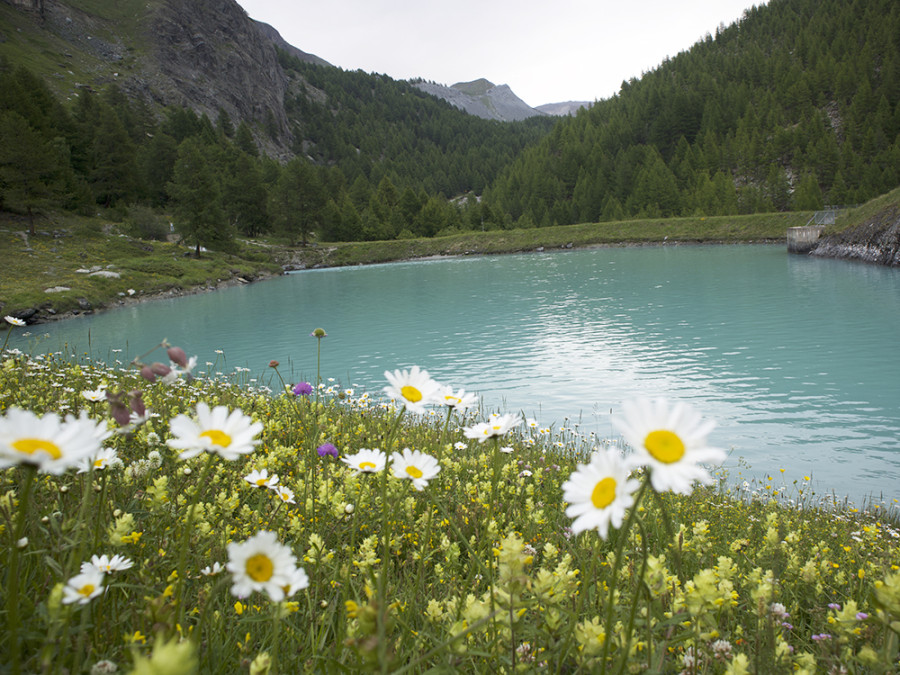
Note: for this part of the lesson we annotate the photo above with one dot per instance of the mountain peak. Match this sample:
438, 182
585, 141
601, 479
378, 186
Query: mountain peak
483, 99
478, 87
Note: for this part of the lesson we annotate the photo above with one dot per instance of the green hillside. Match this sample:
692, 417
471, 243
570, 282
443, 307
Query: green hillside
796, 105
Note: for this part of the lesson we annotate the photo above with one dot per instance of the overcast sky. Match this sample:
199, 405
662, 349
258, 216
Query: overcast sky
547, 51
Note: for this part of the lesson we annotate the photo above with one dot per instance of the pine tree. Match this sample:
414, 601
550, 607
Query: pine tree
196, 200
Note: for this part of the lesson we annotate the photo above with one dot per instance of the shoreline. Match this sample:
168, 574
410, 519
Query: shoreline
119, 302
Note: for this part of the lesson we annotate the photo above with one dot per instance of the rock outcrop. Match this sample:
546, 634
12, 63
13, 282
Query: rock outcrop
483, 99
875, 241
206, 55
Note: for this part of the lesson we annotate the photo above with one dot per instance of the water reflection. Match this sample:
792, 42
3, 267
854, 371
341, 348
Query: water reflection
793, 356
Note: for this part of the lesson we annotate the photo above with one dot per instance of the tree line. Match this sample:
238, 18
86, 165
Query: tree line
796, 105
359, 181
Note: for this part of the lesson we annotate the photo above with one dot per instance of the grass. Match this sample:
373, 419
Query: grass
718, 229
65, 244
478, 572
865, 212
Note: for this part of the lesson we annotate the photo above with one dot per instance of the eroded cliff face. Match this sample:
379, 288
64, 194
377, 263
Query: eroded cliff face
208, 54
205, 55
875, 241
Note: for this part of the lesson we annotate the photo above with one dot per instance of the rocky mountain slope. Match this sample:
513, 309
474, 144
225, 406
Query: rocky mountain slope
564, 108
208, 55
483, 99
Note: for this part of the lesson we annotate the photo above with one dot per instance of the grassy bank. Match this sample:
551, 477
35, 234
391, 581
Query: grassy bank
720, 229
77, 264
65, 243
479, 571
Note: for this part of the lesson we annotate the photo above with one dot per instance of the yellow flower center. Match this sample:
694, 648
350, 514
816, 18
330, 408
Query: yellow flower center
410, 393
259, 567
414, 472
261, 481
99, 463
217, 437
664, 446
86, 590
29, 446
452, 400
604, 493
366, 465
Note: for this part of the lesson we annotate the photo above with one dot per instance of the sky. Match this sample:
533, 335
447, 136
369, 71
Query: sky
546, 51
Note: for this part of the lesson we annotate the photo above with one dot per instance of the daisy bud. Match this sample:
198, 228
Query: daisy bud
22, 543
160, 369
349, 509
177, 355
118, 409
319, 333
137, 403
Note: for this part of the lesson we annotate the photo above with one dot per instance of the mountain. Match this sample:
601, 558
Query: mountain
207, 55
483, 99
564, 108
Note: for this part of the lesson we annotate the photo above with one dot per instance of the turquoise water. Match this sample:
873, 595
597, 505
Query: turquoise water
794, 357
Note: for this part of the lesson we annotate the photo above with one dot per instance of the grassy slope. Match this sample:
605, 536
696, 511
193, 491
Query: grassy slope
63, 53
865, 212
66, 243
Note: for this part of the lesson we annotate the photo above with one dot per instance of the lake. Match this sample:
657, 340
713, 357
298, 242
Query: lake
794, 357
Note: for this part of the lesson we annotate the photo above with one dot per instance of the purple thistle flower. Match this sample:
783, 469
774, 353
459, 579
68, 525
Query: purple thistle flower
302, 389
327, 449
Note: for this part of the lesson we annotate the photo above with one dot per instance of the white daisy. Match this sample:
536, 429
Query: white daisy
498, 425
49, 443
106, 565
458, 401
261, 563
212, 570
13, 321
415, 466
413, 388
104, 458
366, 460
671, 441
262, 479
284, 494
230, 434
599, 493
84, 587
94, 395
298, 581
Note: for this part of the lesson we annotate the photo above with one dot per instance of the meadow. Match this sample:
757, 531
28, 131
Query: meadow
163, 517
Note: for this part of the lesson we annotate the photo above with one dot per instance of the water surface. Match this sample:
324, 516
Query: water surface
794, 357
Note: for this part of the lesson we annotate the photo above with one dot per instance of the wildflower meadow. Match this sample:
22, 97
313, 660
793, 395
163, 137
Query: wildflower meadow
158, 518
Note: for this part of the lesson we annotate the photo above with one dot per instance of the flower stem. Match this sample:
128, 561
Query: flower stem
12, 577
186, 536
620, 546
